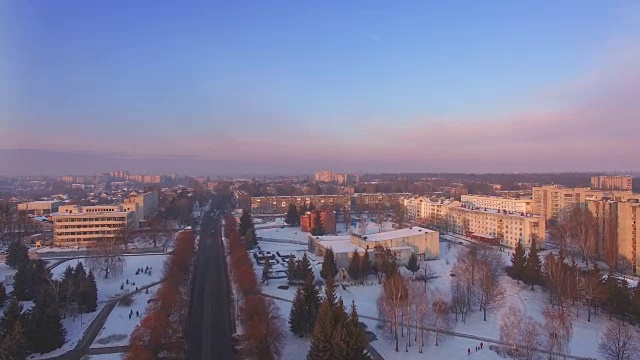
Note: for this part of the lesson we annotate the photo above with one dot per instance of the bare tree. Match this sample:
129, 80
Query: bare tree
619, 342
442, 320
521, 333
123, 234
156, 230
592, 288
420, 301
399, 214
558, 278
106, 257
490, 294
380, 216
579, 229
461, 293
392, 301
558, 330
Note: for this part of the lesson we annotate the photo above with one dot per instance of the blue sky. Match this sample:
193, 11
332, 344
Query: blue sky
133, 77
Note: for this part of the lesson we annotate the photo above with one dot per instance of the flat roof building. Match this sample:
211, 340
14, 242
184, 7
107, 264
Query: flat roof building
609, 182
498, 203
40, 207
70, 228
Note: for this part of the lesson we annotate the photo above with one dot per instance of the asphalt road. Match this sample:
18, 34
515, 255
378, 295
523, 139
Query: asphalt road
209, 322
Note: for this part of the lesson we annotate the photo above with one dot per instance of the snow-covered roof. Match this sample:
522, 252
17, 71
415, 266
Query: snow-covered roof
390, 235
341, 246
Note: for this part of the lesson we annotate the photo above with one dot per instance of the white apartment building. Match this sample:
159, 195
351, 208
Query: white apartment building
147, 204
498, 203
325, 176
70, 229
422, 208
552, 201
497, 227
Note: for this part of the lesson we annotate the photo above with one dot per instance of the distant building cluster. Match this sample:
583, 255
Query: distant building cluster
280, 204
608, 182
340, 178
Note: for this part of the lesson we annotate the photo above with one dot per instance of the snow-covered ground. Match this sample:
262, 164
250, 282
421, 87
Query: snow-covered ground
109, 288
294, 233
584, 341
103, 357
76, 326
119, 326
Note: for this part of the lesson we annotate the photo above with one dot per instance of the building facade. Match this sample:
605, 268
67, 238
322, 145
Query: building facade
40, 207
552, 201
498, 203
325, 176
607, 182
421, 208
280, 204
368, 200
147, 204
328, 219
71, 229
497, 227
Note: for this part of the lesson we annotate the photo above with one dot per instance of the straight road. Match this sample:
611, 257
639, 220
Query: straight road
209, 322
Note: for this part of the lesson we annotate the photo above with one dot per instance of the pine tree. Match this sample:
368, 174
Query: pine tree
3, 294
18, 255
14, 344
266, 270
311, 297
292, 273
22, 283
12, 315
90, 294
298, 321
412, 264
250, 238
246, 222
356, 338
322, 339
518, 263
292, 218
355, 268
305, 268
329, 267
365, 266
318, 227
533, 266
46, 330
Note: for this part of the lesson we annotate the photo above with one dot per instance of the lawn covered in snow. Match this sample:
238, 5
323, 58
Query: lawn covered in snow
110, 287
585, 334
119, 326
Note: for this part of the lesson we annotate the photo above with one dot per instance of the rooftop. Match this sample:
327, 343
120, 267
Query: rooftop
394, 234
90, 213
500, 212
43, 202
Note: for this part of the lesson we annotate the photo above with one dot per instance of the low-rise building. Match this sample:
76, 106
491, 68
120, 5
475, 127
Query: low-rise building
40, 207
147, 203
498, 203
497, 227
429, 210
328, 219
280, 204
402, 243
368, 200
70, 229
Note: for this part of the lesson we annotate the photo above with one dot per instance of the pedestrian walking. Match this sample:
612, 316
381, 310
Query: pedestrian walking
468, 351
481, 345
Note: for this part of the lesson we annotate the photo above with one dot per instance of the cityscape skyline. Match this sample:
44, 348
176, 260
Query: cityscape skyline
418, 87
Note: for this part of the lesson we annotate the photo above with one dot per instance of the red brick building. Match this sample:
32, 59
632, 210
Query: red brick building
328, 219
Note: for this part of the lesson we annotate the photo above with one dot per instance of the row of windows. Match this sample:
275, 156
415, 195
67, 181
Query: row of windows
88, 226
104, 232
74, 219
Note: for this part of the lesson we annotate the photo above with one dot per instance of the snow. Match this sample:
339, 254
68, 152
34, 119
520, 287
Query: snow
584, 341
117, 356
394, 234
118, 328
76, 326
110, 288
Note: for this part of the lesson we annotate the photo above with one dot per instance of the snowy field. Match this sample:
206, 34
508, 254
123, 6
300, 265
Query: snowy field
584, 342
103, 357
294, 233
110, 288
119, 326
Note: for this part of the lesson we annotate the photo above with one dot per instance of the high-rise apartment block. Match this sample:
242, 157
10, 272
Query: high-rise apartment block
608, 182
423, 209
280, 204
325, 176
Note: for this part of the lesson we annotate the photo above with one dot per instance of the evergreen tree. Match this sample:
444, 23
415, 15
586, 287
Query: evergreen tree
412, 264
292, 273
518, 263
311, 297
312, 207
318, 227
14, 344
355, 268
22, 283
533, 266
250, 238
18, 255
46, 330
3, 294
365, 265
298, 321
266, 270
329, 267
303, 210
356, 338
11, 316
90, 294
304, 270
322, 338
292, 218
246, 222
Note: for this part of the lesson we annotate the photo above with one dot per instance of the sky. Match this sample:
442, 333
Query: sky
290, 87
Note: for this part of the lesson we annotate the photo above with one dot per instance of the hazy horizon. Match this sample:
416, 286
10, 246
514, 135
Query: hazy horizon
281, 88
